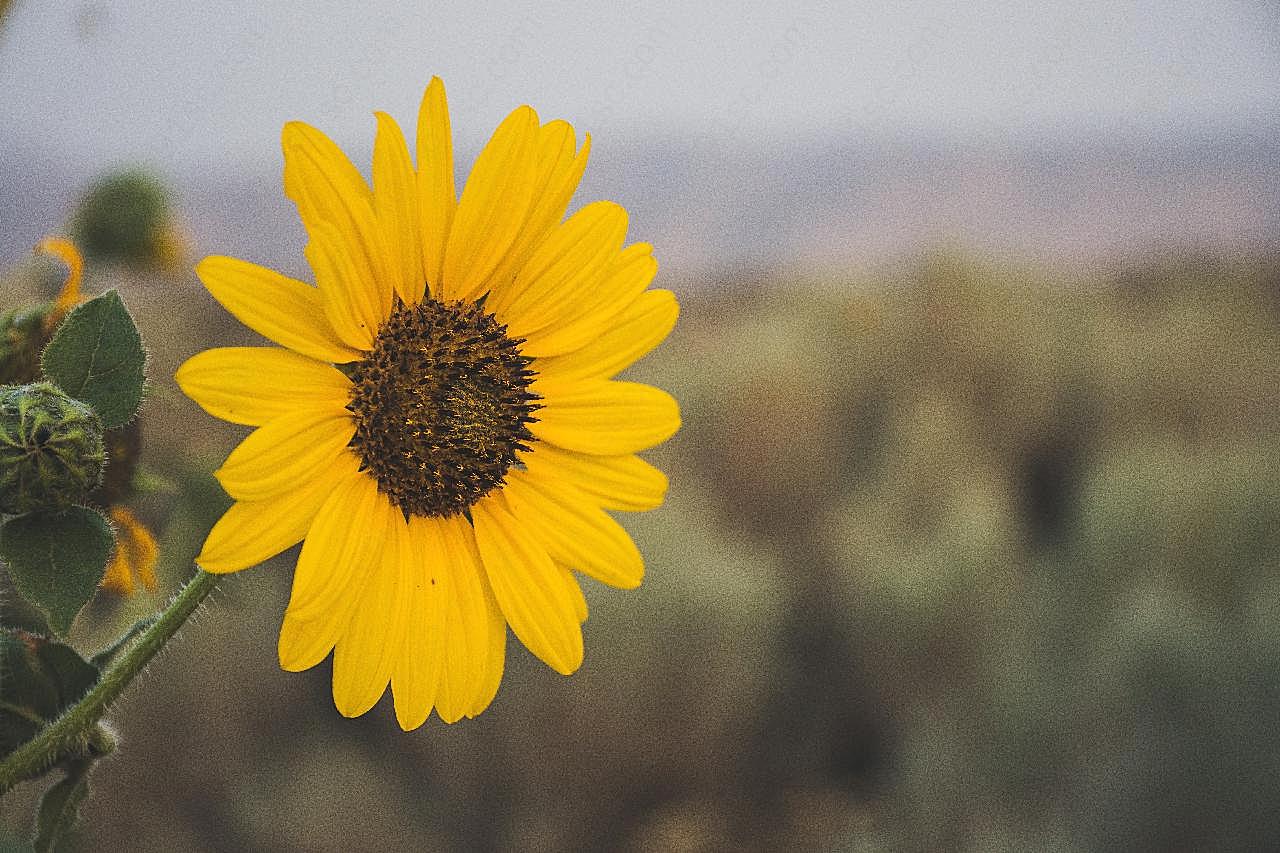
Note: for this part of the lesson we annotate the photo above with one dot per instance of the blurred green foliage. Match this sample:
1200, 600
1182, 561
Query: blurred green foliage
1040, 523
963, 557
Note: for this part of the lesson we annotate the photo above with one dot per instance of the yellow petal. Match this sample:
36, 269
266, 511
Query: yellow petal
283, 452
69, 296
436, 195
557, 173
599, 304
306, 642
395, 201
336, 560
643, 325
118, 577
252, 385
353, 307
146, 551
335, 205
367, 650
495, 659
253, 531
564, 270
336, 547
288, 311
136, 538
615, 482
528, 587
575, 532
415, 673
560, 167
606, 418
466, 646
579, 599
135, 554
493, 207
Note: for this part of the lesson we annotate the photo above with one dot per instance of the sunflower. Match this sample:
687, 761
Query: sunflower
440, 426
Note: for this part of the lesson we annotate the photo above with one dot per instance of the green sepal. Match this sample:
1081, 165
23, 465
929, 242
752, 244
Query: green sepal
56, 559
97, 356
60, 807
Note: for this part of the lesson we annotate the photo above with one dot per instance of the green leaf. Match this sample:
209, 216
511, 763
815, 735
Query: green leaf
26, 696
39, 679
97, 356
71, 674
56, 560
27, 687
60, 808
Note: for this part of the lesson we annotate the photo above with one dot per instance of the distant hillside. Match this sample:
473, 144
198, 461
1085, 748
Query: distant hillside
818, 205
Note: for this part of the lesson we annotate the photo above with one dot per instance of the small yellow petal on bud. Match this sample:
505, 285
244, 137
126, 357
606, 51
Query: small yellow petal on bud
135, 556
65, 251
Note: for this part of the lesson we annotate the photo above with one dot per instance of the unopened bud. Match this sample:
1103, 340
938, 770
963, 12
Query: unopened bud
126, 217
51, 451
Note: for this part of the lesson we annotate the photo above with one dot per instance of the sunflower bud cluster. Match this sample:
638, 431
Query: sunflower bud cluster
51, 449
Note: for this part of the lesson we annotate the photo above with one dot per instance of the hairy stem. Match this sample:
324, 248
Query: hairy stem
70, 734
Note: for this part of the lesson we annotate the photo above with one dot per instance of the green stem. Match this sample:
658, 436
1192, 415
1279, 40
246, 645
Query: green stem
70, 733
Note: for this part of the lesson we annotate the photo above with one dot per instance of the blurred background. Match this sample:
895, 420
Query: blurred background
973, 539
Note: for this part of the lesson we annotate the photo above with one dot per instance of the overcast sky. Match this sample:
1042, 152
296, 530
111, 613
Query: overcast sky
102, 82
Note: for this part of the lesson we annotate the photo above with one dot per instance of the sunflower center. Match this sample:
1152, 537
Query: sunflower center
441, 405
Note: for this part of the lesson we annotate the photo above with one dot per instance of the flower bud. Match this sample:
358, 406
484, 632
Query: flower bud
128, 216
51, 451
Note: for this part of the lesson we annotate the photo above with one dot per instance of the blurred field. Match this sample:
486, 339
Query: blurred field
956, 557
